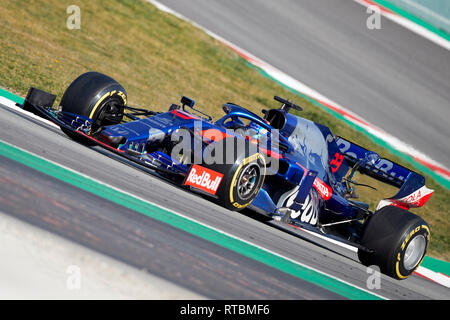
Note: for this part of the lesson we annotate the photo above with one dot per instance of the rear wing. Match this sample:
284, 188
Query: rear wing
412, 190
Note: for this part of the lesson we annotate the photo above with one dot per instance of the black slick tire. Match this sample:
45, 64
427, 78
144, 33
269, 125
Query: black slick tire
398, 239
97, 97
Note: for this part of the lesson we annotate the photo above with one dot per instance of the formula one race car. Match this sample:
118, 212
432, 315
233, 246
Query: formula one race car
281, 165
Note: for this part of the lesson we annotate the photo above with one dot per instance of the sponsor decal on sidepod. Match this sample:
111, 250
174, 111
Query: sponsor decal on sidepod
324, 190
204, 179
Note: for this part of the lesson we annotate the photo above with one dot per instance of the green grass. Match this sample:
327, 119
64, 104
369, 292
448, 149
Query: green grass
158, 58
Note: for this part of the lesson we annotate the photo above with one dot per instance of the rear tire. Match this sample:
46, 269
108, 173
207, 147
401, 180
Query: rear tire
399, 240
97, 97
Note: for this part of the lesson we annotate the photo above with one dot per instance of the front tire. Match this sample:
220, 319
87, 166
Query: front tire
97, 97
399, 240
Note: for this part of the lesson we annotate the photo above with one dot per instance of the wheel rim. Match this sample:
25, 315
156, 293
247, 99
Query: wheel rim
247, 181
414, 252
109, 112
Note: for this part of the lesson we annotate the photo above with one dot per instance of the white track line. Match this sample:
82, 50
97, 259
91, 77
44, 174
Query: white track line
434, 276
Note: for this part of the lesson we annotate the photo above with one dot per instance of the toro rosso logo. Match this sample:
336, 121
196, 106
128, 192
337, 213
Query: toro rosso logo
204, 179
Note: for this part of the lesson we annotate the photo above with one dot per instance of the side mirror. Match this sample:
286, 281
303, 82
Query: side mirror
185, 101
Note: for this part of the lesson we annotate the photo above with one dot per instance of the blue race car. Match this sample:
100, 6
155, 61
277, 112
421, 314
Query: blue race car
281, 165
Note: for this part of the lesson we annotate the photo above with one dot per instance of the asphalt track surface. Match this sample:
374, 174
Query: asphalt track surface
392, 77
186, 260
